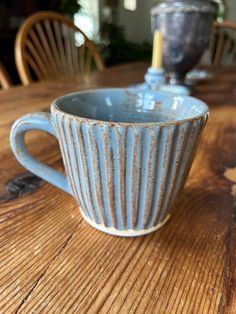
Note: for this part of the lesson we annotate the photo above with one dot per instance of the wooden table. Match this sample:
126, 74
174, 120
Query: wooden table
53, 262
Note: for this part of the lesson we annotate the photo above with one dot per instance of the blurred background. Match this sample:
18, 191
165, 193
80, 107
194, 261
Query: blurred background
120, 28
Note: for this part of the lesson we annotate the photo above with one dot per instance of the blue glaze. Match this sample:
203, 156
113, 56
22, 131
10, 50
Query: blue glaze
155, 81
127, 153
91, 194
154, 78
37, 121
81, 174
130, 106
101, 132
145, 157
175, 89
130, 146
117, 191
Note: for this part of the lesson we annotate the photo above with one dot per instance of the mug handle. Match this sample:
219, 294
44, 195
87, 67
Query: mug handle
36, 121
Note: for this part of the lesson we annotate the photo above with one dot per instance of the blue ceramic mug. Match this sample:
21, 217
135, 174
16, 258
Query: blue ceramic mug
127, 153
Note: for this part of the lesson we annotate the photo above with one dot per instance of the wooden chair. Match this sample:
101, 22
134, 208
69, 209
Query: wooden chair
222, 46
5, 81
47, 48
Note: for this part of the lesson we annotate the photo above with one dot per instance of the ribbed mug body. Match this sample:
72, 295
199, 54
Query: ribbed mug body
126, 177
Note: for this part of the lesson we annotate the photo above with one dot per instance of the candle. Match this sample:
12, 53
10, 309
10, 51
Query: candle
157, 53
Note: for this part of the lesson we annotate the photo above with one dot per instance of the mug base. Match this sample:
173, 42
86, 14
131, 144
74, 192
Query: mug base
123, 233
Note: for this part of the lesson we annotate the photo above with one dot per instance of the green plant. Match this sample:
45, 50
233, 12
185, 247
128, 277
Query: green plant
118, 50
220, 10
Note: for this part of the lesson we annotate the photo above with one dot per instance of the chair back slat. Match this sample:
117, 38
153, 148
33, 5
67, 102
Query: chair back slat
60, 46
81, 58
39, 58
68, 50
52, 42
46, 49
34, 66
74, 51
5, 81
88, 61
227, 52
221, 50
34, 46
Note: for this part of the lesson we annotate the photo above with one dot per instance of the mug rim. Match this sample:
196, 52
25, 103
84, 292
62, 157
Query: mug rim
55, 108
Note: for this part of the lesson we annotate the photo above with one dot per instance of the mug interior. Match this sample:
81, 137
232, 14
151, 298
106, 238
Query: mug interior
130, 106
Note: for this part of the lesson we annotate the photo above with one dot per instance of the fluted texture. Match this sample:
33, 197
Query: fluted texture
127, 177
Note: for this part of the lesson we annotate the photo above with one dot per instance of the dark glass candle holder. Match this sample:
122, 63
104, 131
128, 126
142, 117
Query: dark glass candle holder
186, 26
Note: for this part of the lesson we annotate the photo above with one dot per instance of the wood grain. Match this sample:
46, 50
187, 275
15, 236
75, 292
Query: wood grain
53, 262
